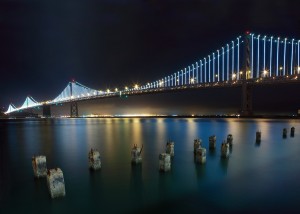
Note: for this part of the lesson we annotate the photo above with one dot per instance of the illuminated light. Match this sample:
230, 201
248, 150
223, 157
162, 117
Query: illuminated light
277, 57
284, 56
257, 70
298, 54
223, 63
238, 54
233, 76
252, 55
107, 90
192, 80
265, 52
126, 88
298, 69
232, 57
292, 52
271, 55
136, 86
116, 89
265, 73
208, 68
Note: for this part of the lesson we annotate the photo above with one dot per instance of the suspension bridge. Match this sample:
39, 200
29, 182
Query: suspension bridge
246, 61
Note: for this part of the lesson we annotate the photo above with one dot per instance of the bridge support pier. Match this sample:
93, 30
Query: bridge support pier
247, 109
46, 111
73, 109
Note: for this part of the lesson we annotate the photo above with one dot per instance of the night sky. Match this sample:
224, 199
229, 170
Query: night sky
112, 43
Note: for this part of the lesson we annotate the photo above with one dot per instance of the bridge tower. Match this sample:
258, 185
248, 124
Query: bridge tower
73, 105
246, 109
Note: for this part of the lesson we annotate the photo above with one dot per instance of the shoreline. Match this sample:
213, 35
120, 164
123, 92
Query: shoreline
166, 116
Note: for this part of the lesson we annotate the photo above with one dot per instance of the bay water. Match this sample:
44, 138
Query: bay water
256, 178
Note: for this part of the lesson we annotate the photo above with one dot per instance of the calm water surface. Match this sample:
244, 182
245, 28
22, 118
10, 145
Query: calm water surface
257, 178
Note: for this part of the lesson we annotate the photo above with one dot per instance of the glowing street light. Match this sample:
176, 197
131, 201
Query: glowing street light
136, 86
116, 89
233, 76
192, 80
126, 88
280, 69
265, 73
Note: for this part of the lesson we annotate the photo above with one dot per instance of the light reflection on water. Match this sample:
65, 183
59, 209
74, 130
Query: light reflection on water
253, 179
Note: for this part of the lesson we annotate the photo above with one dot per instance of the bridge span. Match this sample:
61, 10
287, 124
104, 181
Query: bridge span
245, 62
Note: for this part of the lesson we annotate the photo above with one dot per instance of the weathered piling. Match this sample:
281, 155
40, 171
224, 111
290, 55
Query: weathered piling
212, 142
164, 162
39, 166
258, 136
197, 144
201, 155
56, 183
170, 148
224, 150
229, 139
292, 131
284, 133
136, 156
94, 159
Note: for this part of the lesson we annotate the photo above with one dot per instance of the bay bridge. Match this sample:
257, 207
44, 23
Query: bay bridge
246, 61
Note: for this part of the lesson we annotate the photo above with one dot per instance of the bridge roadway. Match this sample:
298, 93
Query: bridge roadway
289, 79
292, 79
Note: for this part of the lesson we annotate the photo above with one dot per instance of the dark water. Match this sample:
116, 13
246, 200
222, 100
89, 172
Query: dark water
257, 178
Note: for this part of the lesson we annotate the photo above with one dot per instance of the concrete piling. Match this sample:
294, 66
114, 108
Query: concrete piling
39, 166
136, 154
56, 183
94, 159
201, 155
197, 144
224, 150
164, 162
284, 133
212, 142
170, 148
292, 131
258, 136
229, 139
